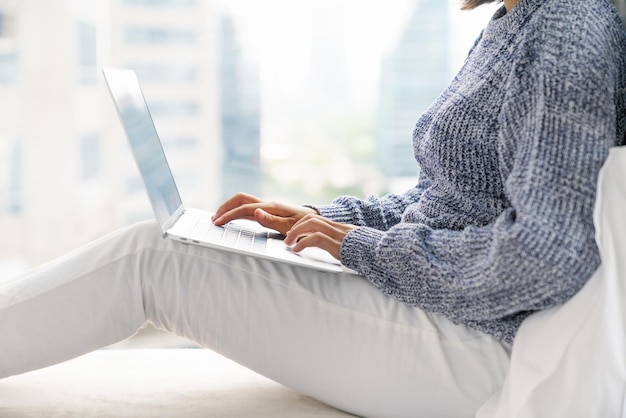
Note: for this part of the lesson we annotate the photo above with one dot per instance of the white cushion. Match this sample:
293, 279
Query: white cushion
570, 361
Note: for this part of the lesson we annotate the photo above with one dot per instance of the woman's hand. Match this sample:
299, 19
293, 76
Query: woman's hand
317, 231
278, 216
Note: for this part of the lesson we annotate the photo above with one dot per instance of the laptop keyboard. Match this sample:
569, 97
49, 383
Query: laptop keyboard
234, 235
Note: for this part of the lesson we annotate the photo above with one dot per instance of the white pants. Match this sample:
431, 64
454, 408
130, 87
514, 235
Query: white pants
332, 336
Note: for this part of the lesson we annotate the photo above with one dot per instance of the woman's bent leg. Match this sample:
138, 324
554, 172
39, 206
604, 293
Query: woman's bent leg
332, 336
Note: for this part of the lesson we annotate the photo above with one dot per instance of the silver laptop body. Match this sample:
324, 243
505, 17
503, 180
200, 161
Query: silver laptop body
187, 225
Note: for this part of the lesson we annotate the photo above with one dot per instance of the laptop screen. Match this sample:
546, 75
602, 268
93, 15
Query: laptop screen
144, 141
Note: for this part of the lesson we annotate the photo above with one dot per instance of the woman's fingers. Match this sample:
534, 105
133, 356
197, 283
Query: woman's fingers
280, 223
233, 203
310, 224
320, 240
245, 211
241, 206
302, 226
316, 231
274, 215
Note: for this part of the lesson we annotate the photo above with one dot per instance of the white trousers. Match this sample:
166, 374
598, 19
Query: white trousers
332, 336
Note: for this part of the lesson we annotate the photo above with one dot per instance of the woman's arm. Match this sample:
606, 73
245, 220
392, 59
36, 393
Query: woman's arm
375, 212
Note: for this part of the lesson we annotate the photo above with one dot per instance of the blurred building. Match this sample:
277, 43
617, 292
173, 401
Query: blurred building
329, 93
412, 76
50, 130
66, 172
240, 114
173, 47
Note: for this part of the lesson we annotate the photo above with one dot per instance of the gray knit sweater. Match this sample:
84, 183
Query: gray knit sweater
500, 224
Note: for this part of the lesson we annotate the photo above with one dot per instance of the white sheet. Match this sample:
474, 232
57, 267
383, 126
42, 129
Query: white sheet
570, 361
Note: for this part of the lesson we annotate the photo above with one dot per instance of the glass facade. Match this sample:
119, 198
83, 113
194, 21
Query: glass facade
289, 102
413, 75
171, 108
90, 156
240, 116
165, 73
11, 193
86, 50
8, 53
159, 36
161, 3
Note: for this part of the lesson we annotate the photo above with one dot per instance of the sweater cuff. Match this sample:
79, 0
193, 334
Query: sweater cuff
358, 249
337, 213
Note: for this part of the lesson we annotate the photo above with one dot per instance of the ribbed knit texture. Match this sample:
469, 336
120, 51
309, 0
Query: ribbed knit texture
501, 222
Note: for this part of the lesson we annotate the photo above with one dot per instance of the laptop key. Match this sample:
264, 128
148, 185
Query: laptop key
214, 233
231, 235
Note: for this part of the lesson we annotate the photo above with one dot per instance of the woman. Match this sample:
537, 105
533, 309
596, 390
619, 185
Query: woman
499, 226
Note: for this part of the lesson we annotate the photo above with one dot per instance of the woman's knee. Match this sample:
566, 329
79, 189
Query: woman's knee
139, 236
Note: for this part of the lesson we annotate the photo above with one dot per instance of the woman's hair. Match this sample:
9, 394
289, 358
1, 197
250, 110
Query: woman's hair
472, 4
621, 7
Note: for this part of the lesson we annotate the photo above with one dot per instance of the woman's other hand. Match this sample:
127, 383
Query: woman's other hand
274, 215
314, 230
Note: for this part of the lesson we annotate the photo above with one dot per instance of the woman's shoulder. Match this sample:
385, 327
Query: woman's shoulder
566, 37
584, 23
581, 10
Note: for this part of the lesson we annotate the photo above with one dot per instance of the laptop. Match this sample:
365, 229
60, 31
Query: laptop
188, 225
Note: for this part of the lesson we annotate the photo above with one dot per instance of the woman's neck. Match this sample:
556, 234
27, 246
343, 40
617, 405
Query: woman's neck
509, 4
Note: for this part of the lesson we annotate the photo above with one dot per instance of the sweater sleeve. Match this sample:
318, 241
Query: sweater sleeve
380, 213
556, 126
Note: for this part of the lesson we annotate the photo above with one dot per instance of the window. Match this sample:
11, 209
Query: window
170, 109
293, 100
165, 72
6, 25
162, 3
8, 68
8, 54
90, 156
180, 143
11, 171
158, 36
86, 48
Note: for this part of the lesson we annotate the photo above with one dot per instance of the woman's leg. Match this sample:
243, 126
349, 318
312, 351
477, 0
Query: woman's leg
332, 336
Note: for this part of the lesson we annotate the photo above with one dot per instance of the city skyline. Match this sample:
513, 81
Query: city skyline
62, 82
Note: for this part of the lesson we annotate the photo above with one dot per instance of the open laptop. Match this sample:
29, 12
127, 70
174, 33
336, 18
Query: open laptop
192, 226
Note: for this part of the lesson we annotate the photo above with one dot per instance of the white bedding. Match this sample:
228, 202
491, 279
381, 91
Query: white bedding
570, 361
